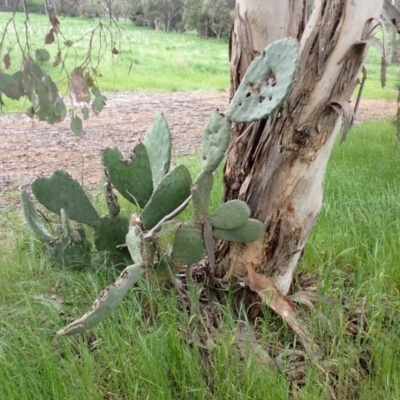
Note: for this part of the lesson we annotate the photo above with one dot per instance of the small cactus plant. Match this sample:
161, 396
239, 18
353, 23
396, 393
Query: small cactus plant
145, 179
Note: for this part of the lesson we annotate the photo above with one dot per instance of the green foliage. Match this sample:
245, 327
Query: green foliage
60, 191
73, 249
201, 192
352, 254
110, 232
267, 82
231, 215
216, 138
188, 246
250, 231
158, 145
151, 61
144, 180
33, 220
107, 301
172, 191
132, 177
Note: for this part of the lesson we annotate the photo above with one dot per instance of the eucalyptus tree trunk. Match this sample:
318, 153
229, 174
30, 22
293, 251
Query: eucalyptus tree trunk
277, 167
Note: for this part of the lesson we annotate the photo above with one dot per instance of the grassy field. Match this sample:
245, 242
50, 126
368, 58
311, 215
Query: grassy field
142, 352
147, 60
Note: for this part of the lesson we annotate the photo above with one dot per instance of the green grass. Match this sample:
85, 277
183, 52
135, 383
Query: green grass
147, 60
142, 351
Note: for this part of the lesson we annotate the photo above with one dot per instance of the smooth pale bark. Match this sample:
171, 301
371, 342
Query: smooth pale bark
278, 166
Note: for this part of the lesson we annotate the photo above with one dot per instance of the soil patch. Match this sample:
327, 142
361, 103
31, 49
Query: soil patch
29, 148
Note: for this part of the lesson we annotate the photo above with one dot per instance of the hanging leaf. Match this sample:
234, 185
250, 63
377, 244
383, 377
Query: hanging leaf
57, 60
49, 39
89, 80
96, 73
42, 55
114, 50
7, 60
11, 85
78, 85
76, 126
55, 23
85, 112
59, 109
98, 104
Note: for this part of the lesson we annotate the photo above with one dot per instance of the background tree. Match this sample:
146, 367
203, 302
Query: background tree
219, 15
165, 12
209, 18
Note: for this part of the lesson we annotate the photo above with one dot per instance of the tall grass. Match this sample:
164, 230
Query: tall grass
142, 350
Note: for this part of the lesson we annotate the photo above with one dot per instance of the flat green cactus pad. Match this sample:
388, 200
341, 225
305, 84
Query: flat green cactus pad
189, 246
33, 219
172, 191
107, 301
216, 137
267, 82
158, 145
61, 191
250, 231
201, 192
73, 254
230, 215
110, 232
130, 177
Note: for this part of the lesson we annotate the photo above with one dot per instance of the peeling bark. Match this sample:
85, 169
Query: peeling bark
278, 166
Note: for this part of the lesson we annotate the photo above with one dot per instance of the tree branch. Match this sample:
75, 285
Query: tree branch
392, 14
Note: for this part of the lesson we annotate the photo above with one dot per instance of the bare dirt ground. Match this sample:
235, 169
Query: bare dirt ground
29, 148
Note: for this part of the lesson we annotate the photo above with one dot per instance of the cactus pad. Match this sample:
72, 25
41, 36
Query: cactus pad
216, 138
230, 215
172, 191
33, 219
189, 246
250, 231
130, 177
201, 191
107, 301
267, 82
110, 232
61, 191
158, 146
73, 252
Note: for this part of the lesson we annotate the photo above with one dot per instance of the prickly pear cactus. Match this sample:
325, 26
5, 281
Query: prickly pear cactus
73, 249
158, 146
132, 178
267, 82
33, 219
110, 232
216, 139
172, 191
250, 231
61, 191
230, 215
201, 192
107, 302
189, 246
